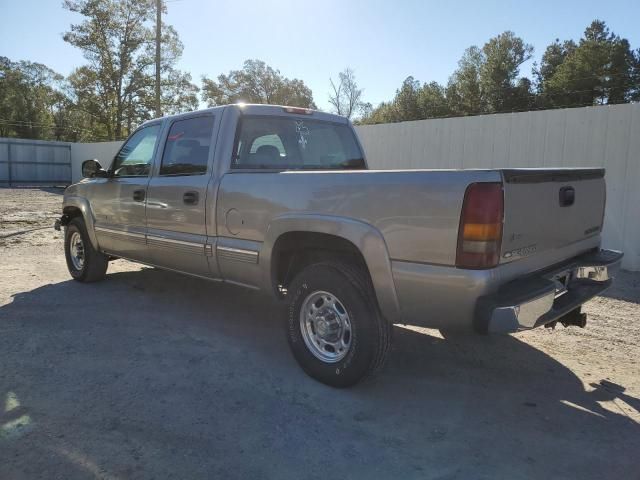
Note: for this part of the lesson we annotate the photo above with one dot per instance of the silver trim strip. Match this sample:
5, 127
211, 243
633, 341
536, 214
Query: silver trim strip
176, 247
113, 231
237, 250
237, 254
194, 248
158, 238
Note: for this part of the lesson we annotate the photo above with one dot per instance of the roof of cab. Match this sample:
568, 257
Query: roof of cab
261, 109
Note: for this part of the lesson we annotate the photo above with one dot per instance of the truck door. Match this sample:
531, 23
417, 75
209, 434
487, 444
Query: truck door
119, 202
177, 196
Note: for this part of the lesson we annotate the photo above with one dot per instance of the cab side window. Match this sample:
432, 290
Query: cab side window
186, 151
136, 155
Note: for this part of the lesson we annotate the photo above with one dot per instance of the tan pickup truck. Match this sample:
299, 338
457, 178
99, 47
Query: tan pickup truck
280, 200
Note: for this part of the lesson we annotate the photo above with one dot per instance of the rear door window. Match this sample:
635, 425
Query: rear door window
186, 151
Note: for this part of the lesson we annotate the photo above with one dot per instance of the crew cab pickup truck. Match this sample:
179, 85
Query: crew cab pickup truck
280, 200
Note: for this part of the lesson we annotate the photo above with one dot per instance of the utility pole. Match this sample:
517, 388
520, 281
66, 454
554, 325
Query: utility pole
158, 33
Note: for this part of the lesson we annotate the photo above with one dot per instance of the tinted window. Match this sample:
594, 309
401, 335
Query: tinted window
187, 149
294, 143
135, 157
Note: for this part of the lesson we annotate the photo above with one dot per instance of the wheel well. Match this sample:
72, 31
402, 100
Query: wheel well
293, 251
72, 212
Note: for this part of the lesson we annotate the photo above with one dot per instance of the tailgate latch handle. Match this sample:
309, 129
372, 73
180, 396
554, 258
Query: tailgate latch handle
567, 196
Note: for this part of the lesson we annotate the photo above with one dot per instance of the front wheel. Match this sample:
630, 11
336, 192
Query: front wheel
334, 327
85, 263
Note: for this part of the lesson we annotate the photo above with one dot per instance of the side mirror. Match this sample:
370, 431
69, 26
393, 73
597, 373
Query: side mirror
92, 168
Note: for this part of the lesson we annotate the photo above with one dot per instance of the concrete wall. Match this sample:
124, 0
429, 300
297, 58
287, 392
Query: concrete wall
102, 151
605, 136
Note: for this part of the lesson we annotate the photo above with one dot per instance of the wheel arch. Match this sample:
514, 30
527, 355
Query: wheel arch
324, 233
79, 206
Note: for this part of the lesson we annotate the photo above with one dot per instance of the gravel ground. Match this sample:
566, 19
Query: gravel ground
151, 374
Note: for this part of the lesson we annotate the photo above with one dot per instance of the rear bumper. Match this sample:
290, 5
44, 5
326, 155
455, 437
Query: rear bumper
546, 296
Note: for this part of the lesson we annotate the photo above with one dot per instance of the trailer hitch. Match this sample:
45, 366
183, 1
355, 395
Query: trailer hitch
574, 317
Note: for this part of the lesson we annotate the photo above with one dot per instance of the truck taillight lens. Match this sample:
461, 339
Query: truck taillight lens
480, 233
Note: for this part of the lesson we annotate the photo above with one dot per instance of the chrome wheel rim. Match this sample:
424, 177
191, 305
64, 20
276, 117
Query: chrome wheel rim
325, 326
76, 250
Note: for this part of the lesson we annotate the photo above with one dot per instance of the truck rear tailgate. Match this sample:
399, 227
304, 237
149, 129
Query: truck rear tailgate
546, 209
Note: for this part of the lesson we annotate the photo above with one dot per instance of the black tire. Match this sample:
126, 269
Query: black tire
370, 333
95, 263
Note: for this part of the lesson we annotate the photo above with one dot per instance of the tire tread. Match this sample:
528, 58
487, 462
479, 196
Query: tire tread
96, 263
361, 282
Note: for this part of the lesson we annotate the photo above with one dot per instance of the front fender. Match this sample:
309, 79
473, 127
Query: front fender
84, 206
367, 239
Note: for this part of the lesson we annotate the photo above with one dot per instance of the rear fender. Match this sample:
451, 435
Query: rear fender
366, 238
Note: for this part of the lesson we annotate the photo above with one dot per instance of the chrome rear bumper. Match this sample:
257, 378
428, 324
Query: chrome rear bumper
547, 296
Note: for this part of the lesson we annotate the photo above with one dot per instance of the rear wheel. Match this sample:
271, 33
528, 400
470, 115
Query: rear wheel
334, 327
84, 262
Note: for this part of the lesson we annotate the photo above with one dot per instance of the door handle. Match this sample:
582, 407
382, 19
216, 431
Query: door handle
138, 195
567, 196
190, 198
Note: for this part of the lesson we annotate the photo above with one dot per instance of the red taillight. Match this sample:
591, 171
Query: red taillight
298, 110
480, 232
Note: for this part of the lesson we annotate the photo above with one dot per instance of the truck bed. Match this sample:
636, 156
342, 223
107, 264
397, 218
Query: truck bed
417, 212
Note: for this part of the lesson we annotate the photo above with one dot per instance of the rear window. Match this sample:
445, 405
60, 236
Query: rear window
295, 144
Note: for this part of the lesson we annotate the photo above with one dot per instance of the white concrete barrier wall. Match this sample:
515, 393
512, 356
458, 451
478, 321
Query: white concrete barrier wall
604, 136
102, 151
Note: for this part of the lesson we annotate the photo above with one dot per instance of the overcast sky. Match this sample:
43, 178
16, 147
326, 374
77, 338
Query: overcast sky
383, 41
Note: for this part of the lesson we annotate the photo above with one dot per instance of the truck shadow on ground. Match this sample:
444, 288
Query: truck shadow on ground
150, 373
627, 289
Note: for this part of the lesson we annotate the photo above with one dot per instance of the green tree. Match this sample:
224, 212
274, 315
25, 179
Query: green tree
433, 101
501, 88
600, 69
386, 112
464, 90
406, 101
31, 101
552, 58
634, 91
89, 105
257, 82
413, 101
116, 87
487, 79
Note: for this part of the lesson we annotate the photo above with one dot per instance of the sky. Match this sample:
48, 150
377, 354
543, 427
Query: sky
383, 41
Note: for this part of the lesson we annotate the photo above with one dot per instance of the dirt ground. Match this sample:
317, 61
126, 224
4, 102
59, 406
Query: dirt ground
151, 374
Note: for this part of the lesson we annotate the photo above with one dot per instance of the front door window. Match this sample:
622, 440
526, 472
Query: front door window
136, 155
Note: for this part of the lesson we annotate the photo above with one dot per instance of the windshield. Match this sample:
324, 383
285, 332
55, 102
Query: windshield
295, 144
